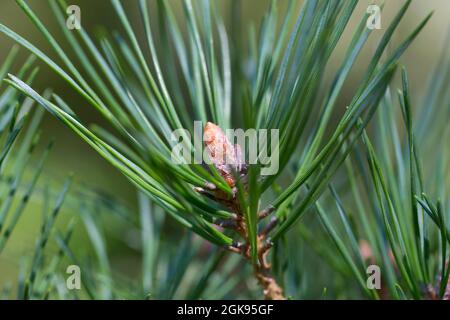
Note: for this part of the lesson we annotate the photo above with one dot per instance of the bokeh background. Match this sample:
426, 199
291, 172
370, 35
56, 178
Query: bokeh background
71, 155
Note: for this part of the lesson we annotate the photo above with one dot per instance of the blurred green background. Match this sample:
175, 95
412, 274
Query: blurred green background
70, 154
